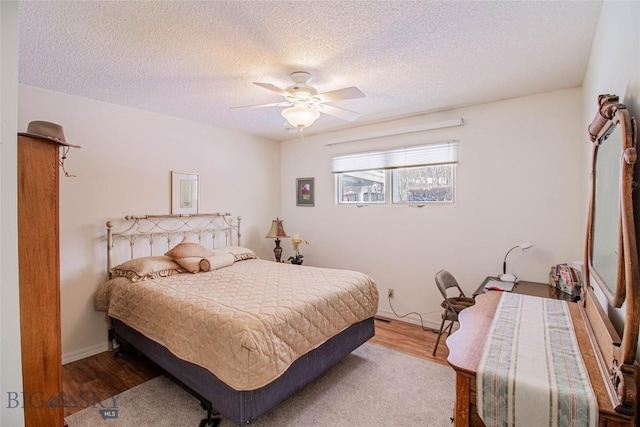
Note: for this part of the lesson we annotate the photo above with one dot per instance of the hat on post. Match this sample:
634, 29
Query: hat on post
46, 130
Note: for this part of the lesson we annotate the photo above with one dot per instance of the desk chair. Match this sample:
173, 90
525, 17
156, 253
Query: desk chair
452, 305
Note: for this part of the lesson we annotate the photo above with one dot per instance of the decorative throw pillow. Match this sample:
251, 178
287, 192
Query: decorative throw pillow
188, 254
149, 267
220, 259
240, 252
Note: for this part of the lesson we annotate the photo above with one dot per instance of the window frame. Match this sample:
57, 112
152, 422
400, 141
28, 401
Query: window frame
340, 195
411, 157
393, 184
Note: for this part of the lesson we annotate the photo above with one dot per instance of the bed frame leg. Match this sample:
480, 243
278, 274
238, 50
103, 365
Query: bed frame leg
213, 418
123, 349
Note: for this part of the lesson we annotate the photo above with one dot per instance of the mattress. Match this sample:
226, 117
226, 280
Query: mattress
246, 323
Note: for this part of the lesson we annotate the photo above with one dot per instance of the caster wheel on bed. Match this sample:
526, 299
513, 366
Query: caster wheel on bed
210, 422
120, 354
213, 417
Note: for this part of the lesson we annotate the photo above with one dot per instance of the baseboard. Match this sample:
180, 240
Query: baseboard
99, 348
413, 319
84, 352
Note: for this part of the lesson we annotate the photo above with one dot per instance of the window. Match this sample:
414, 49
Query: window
361, 186
423, 184
422, 174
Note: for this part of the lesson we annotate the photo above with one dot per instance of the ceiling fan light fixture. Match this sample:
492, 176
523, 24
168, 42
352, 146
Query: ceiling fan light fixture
305, 103
300, 117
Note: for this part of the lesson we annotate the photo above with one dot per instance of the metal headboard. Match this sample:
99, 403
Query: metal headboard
158, 233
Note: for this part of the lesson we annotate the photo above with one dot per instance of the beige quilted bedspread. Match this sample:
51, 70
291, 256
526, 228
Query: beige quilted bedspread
248, 322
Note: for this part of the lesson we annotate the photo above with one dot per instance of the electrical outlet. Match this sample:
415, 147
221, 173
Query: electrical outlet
390, 293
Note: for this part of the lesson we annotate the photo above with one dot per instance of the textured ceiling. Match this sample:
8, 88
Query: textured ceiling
196, 60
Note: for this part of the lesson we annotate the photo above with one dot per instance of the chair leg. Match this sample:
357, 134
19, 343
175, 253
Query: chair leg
439, 335
450, 328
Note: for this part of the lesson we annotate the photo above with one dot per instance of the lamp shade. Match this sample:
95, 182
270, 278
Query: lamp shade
300, 117
526, 245
277, 229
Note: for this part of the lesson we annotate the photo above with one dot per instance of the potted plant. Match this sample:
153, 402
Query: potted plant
296, 241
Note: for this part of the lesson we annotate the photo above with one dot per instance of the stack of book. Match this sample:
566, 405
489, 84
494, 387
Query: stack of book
565, 278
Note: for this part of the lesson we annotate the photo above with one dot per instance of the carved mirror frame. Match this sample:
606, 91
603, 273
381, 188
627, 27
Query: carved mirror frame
613, 125
621, 254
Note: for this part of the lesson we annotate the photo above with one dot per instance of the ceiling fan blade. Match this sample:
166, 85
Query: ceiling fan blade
340, 113
272, 88
340, 94
275, 104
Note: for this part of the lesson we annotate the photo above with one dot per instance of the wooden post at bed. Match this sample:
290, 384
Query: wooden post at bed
39, 279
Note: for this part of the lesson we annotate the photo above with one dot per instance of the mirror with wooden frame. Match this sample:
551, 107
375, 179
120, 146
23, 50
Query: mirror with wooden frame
611, 250
612, 256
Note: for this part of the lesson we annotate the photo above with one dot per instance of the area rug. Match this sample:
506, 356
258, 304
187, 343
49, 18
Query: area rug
371, 386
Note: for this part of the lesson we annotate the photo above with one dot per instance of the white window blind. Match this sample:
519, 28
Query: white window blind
441, 153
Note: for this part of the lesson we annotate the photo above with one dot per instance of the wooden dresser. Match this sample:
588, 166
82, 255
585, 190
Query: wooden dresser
611, 264
39, 269
465, 351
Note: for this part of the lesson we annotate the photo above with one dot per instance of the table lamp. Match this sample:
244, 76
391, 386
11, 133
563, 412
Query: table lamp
277, 231
504, 277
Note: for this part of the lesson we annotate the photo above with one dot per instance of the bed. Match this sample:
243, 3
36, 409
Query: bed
240, 333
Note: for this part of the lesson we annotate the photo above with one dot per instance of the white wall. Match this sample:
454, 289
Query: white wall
614, 68
520, 177
10, 356
124, 168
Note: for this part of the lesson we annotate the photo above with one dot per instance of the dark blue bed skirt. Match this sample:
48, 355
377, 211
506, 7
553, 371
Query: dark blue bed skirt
242, 407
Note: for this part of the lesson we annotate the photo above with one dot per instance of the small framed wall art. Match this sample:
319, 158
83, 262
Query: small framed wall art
305, 192
185, 193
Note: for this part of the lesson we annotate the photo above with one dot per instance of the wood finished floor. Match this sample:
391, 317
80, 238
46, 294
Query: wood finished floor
99, 377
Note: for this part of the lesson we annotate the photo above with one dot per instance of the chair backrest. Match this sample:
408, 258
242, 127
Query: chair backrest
445, 281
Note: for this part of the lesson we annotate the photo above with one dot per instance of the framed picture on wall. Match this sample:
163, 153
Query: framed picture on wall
185, 193
305, 192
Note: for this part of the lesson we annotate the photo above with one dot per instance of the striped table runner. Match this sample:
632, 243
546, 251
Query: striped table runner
531, 372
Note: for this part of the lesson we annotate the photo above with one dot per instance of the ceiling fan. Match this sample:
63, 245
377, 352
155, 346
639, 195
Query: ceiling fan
305, 103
